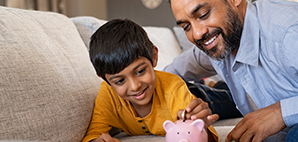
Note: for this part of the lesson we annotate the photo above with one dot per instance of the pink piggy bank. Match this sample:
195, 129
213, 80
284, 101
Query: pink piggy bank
185, 131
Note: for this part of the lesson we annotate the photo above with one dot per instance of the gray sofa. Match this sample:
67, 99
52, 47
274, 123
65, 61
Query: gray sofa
47, 83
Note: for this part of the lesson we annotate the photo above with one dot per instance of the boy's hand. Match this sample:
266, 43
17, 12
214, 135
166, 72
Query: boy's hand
198, 109
106, 138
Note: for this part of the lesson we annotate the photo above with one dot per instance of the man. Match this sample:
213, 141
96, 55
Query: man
253, 47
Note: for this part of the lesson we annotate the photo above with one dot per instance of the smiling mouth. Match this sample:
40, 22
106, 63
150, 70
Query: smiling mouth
140, 95
211, 40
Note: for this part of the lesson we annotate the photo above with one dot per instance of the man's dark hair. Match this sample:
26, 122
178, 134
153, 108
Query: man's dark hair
118, 43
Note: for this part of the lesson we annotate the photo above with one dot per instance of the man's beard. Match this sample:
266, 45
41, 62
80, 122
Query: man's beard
230, 40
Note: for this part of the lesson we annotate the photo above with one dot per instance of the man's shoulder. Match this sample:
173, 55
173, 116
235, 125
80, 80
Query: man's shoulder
281, 11
275, 17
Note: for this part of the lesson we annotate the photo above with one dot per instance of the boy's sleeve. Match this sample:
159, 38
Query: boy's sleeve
103, 115
214, 133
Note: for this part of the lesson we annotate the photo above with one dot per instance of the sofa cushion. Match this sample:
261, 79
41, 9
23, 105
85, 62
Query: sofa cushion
167, 44
182, 39
47, 83
86, 26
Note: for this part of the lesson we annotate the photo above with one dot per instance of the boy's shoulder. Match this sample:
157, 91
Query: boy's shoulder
164, 74
167, 78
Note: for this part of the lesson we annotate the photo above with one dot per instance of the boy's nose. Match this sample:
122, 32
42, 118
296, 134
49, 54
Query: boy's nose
134, 84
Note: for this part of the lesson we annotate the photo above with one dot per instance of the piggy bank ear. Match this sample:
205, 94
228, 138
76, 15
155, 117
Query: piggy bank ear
199, 123
167, 125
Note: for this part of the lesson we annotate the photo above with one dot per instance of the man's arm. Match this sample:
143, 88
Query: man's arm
192, 65
258, 125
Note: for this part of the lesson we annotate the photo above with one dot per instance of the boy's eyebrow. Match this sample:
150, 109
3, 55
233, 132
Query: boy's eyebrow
139, 65
198, 7
115, 76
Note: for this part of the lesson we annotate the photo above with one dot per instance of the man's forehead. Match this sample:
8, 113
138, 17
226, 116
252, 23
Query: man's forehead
182, 8
187, 5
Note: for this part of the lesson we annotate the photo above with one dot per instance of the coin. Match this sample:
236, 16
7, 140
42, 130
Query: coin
184, 115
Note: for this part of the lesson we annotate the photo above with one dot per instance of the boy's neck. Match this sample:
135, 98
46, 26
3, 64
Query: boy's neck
142, 110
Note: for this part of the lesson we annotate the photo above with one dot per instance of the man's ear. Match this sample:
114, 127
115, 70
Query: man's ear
155, 56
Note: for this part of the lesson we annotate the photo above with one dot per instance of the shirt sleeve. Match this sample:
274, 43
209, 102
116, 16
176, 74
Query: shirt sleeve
103, 114
214, 133
289, 110
192, 65
289, 106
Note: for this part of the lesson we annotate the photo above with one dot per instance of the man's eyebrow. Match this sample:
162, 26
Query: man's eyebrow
199, 6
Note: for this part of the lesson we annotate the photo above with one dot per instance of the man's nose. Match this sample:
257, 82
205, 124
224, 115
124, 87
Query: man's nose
199, 30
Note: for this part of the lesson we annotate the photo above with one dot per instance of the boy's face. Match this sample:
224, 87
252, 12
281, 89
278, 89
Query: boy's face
136, 82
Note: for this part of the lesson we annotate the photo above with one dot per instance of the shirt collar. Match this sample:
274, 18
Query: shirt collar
248, 51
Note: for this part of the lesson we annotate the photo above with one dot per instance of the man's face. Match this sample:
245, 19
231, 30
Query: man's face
212, 25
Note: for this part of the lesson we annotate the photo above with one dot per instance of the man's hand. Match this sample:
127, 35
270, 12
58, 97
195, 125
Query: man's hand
258, 125
198, 109
106, 138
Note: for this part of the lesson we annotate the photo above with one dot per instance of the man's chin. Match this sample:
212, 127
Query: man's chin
218, 56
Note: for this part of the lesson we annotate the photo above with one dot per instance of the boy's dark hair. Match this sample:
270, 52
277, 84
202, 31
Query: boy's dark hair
118, 43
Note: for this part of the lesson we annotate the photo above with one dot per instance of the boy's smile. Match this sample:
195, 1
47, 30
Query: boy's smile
135, 83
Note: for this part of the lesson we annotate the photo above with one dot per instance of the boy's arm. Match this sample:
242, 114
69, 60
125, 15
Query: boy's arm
105, 137
104, 115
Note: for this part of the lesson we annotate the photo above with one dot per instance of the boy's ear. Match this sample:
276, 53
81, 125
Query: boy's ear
155, 56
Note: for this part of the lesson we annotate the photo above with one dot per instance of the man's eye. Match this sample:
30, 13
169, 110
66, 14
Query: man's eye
186, 27
205, 15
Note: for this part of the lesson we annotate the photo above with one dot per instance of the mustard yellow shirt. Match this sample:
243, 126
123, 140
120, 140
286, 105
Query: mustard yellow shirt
170, 95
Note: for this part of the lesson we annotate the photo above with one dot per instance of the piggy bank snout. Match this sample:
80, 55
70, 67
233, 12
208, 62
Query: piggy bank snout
184, 140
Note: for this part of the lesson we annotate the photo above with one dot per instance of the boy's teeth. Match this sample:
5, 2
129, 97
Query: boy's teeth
211, 40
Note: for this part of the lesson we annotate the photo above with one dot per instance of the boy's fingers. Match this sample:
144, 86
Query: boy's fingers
193, 104
213, 118
179, 113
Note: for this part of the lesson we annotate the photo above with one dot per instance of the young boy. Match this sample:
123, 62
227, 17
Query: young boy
133, 96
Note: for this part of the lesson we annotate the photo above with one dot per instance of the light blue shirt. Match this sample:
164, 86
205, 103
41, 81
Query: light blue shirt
266, 64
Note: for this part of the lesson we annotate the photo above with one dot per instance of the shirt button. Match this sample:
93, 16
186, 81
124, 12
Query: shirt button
140, 121
147, 131
143, 127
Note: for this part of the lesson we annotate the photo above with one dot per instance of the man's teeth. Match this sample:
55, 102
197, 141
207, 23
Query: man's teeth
211, 40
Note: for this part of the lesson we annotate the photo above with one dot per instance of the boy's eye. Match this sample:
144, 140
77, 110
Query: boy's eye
141, 71
120, 81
